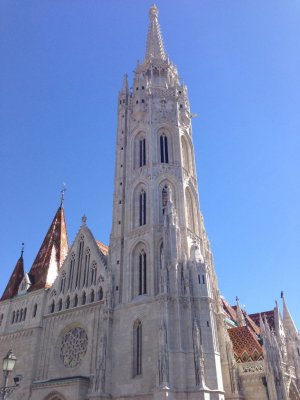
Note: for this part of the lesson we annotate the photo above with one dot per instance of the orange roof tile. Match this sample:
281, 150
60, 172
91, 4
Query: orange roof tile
269, 315
102, 247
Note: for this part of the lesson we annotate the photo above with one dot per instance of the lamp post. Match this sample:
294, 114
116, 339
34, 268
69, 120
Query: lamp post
9, 362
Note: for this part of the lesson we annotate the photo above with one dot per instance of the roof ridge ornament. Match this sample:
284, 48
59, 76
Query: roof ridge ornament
62, 194
22, 249
155, 45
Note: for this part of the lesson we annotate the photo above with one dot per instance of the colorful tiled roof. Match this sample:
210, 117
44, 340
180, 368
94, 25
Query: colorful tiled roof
12, 287
269, 315
51, 253
245, 344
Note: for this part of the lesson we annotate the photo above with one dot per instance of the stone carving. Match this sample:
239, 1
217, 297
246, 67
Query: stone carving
100, 372
73, 347
163, 362
198, 356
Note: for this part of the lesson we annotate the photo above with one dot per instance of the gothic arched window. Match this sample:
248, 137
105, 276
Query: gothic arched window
164, 151
137, 348
142, 208
86, 268
24, 314
83, 299
79, 264
190, 210
100, 293
142, 152
92, 298
75, 300
68, 302
71, 271
63, 282
60, 305
52, 307
13, 317
142, 273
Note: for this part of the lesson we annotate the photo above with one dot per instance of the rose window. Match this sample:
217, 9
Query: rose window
73, 347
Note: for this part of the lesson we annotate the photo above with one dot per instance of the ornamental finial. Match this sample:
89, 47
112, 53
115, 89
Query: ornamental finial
83, 219
153, 11
22, 249
62, 194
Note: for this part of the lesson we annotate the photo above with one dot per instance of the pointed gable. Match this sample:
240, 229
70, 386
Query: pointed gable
12, 287
51, 254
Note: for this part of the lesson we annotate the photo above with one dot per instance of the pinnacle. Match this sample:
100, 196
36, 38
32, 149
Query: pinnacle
12, 287
155, 46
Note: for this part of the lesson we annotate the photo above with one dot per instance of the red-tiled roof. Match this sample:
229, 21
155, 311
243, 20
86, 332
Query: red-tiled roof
102, 247
55, 243
245, 344
269, 315
14, 282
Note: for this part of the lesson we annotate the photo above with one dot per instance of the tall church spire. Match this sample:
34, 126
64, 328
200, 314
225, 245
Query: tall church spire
16, 277
155, 46
51, 253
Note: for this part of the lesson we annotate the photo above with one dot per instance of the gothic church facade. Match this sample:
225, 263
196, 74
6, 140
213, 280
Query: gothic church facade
143, 318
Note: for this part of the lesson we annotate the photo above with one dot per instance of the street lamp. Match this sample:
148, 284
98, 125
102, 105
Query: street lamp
9, 362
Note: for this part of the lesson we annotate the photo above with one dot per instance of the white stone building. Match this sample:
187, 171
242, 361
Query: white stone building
143, 318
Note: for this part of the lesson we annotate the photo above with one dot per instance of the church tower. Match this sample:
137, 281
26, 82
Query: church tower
164, 327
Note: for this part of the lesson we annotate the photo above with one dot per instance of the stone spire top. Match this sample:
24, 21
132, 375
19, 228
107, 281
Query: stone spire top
12, 287
155, 46
288, 322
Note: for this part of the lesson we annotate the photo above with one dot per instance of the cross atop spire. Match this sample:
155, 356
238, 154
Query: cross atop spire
155, 46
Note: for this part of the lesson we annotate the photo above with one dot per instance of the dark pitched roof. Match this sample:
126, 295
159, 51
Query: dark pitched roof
12, 287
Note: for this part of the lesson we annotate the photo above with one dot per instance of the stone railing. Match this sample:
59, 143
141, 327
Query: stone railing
251, 367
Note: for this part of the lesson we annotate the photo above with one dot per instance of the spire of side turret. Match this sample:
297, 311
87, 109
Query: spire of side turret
288, 323
51, 253
12, 287
155, 46
125, 84
239, 314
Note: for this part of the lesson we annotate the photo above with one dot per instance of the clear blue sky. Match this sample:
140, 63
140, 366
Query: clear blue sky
62, 64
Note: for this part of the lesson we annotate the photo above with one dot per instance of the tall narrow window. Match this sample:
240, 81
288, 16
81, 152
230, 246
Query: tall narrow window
142, 207
60, 305
137, 355
86, 268
79, 264
34, 310
71, 271
164, 152
68, 302
63, 282
142, 273
142, 152
24, 314
75, 300
164, 199
13, 317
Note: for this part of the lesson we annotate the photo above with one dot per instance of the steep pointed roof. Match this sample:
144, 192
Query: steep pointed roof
288, 323
155, 46
15, 280
51, 253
